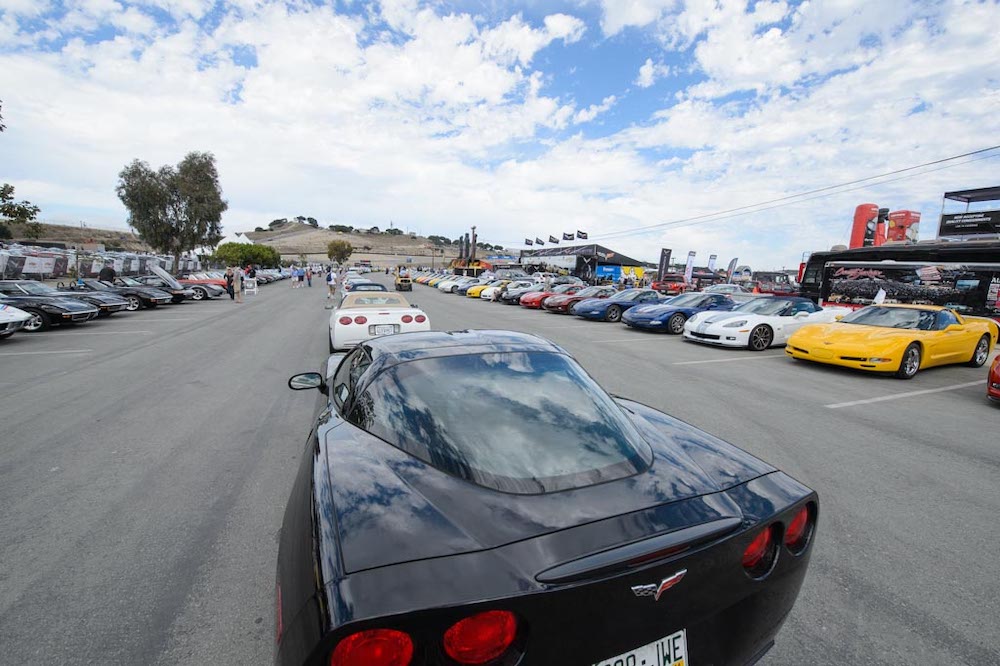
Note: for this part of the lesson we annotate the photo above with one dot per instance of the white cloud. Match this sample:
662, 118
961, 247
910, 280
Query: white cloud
594, 110
650, 72
621, 14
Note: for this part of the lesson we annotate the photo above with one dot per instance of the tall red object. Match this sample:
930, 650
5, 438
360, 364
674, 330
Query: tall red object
863, 231
904, 225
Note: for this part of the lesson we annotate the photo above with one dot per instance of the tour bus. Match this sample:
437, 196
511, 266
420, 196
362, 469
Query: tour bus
967, 288
814, 279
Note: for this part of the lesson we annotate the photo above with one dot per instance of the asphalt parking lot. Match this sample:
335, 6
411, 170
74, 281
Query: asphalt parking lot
146, 460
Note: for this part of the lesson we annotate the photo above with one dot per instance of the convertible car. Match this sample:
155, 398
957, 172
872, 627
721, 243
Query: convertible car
613, 307
47, 311
563, 303
671, 315
11, 320
897, 338
106, 304
534, 300
586, 530
760, 323
367, 314
136, 297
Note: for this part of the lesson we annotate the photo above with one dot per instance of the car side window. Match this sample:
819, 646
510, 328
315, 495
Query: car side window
944, 319
345, 378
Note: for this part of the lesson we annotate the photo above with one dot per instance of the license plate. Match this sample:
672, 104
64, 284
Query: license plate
385, 329
668, 651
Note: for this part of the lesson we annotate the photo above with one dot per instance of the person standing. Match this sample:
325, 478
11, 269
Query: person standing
230, 283
331, 282
238, 284
108, 273
309, 276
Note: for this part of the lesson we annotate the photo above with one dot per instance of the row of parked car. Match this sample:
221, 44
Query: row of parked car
33, 306
899, 339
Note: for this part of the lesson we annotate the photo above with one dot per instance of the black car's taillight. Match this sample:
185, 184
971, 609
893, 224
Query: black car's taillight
374, 647
481, 638
760, 555
800, 530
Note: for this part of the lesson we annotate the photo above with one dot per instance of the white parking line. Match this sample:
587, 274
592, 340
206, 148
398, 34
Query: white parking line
61, 351
908, 394
728, 360
129, 320
638, 338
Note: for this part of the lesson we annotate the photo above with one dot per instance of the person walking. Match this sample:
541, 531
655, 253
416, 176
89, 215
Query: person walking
309, 276
331, 282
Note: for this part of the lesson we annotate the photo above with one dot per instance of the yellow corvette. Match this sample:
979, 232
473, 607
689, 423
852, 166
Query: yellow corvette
900, 339
475, 292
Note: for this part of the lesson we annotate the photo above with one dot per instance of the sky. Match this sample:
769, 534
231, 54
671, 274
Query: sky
524, 118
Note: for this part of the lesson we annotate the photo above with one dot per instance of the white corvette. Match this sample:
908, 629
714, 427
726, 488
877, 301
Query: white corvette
490, 292
11, 319
758, 324
368, 314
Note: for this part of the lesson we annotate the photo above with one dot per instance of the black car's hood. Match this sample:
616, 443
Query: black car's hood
392, 507
95, 295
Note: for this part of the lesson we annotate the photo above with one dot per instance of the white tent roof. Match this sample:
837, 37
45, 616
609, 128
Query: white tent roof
236, 238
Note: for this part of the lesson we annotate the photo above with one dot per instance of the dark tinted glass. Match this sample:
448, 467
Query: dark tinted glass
520, 422
874, 315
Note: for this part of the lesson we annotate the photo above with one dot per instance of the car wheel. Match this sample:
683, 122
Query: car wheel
614, 314
199, 295
675, 324
133, 303
761, 338
39, 321
982, 352
910, 364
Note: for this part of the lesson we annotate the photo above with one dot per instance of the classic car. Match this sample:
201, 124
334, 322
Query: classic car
367, 314
670, 315
563, 303
900, 339
613, 307
426, 526
106, 304
178, 292
48, 311
136, 297
763, 322
11, 319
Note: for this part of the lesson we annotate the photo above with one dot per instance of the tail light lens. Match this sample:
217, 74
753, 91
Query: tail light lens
797, 534
407, 319
344, 321
361, 320
420, 319
480, 638
759, 556
374, 647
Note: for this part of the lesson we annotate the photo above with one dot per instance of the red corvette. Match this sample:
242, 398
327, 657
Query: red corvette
535, 299
993, 381
202, 278
564, 303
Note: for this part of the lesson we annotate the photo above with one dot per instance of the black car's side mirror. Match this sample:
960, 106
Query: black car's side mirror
307, 380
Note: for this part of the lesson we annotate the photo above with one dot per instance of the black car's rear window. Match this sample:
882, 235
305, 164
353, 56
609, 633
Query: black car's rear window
519, 422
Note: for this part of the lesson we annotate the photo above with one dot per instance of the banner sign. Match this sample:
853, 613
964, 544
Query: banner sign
970, 224
730, 269
608, 272
711, 262
538, 241
554, 240
567, 236
582, 235
689, 267
664, 266
528, 241
38, 265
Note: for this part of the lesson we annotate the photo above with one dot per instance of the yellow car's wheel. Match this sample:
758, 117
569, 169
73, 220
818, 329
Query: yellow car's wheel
910, 364
981, 353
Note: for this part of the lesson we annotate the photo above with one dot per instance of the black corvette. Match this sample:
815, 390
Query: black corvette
427, 526
136, 297
47, 311
106, 303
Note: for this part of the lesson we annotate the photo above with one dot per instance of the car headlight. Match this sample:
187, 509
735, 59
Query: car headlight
735, 324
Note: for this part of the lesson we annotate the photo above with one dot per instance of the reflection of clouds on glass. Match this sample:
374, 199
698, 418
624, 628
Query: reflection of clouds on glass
517, 421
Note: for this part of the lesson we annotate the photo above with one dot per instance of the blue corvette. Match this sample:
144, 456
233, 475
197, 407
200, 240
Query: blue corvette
611, 309
670, 317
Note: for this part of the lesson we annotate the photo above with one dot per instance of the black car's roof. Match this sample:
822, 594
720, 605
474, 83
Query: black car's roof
391, 350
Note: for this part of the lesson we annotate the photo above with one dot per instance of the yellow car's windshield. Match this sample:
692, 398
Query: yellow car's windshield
911, 318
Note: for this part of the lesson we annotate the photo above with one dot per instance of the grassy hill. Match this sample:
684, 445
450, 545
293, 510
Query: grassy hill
83, 237
295, 238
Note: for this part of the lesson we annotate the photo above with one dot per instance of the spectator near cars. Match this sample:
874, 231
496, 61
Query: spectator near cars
107, 274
